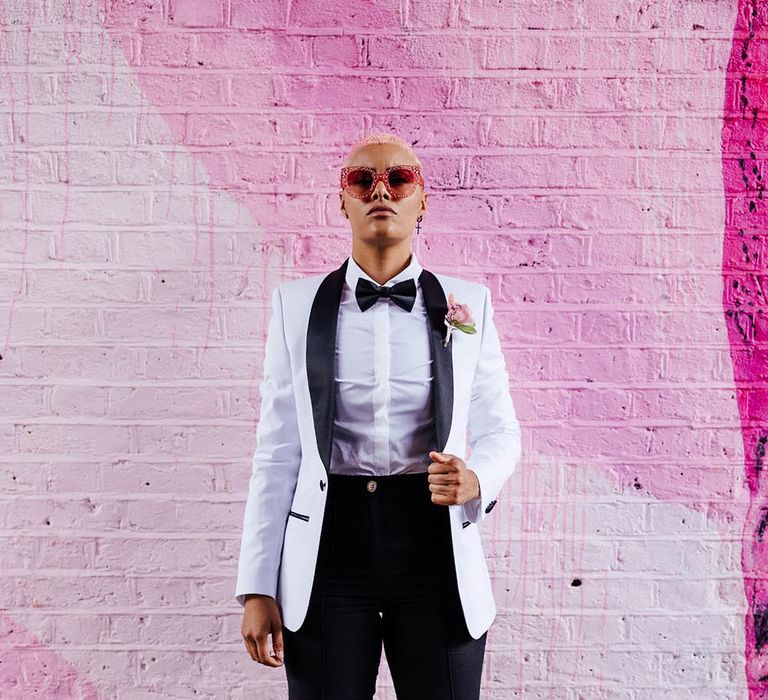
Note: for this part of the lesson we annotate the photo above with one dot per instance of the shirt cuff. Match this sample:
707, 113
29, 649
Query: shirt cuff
472, 509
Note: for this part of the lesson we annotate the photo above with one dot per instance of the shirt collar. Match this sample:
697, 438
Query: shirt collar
354, 271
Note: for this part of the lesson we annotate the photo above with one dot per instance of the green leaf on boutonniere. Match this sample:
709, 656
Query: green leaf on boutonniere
465, 328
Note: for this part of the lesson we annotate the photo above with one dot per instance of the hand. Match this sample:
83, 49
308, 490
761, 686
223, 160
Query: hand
261, 615
450, 482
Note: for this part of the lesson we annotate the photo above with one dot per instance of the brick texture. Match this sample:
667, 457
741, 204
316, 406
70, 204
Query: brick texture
165, 163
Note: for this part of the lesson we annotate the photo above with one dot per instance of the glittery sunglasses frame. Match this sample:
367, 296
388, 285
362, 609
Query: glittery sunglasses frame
384, 177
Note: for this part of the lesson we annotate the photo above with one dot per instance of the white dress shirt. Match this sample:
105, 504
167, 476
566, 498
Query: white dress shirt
383, 422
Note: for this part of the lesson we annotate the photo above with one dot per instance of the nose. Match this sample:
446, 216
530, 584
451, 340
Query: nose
380, 190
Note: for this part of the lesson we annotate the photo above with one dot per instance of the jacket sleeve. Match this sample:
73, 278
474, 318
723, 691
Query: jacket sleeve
495, 438
275, 471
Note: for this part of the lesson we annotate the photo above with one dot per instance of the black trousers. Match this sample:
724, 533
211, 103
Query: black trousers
385, 574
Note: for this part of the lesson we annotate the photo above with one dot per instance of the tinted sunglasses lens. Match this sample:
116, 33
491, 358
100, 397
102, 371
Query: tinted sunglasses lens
359, 182
402, 181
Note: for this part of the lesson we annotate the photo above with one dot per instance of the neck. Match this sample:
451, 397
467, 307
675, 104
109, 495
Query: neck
382, 264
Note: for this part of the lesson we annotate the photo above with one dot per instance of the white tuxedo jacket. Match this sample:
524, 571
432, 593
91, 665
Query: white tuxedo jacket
288, 488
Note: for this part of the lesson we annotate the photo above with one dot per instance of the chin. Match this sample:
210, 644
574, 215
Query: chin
383, 232
383, 235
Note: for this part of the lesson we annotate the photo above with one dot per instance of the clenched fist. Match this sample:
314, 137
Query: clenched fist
450, 482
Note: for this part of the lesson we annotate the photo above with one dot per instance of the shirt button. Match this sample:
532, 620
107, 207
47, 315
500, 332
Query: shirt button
371, 485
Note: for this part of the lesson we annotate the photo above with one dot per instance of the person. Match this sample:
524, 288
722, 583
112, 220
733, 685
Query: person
362, 516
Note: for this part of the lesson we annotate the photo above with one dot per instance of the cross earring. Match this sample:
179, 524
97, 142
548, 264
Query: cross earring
418, 227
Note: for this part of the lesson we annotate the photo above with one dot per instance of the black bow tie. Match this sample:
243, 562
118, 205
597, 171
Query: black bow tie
403, 293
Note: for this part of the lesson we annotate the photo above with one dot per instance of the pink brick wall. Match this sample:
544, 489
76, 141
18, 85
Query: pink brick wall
165, 163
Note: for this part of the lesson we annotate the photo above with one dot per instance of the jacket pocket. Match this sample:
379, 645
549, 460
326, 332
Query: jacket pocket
300, 516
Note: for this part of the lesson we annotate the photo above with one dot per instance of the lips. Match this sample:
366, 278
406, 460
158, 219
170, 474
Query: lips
374, 210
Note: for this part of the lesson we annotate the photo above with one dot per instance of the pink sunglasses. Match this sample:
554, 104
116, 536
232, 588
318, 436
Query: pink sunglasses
400, 180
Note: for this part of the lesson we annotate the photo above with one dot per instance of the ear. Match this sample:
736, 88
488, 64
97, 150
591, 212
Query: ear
342, 208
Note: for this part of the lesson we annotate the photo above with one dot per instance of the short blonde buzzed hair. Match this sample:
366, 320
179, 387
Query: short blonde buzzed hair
381, 137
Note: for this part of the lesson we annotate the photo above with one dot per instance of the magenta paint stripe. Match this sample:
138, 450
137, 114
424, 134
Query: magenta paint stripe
744, 140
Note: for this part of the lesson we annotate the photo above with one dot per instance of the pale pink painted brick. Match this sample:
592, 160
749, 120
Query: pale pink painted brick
411, 53
54, 437
80, 128
64, 552
121, 13
572, 152
337, 51
306, 14
81, 627
597, 404
559, 14
258, 14
196, 13
166, 50
249, 51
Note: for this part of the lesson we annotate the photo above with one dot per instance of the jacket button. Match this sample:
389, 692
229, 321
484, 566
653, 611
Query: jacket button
322, 484
371, 485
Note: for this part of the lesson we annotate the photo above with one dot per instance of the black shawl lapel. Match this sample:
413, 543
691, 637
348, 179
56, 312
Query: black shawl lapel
442, 360
321, 358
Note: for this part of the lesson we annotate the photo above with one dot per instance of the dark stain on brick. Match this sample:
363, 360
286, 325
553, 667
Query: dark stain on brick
760, 453
760, 619
763, 523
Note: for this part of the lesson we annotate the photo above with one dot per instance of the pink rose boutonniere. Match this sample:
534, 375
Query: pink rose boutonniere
458, 316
